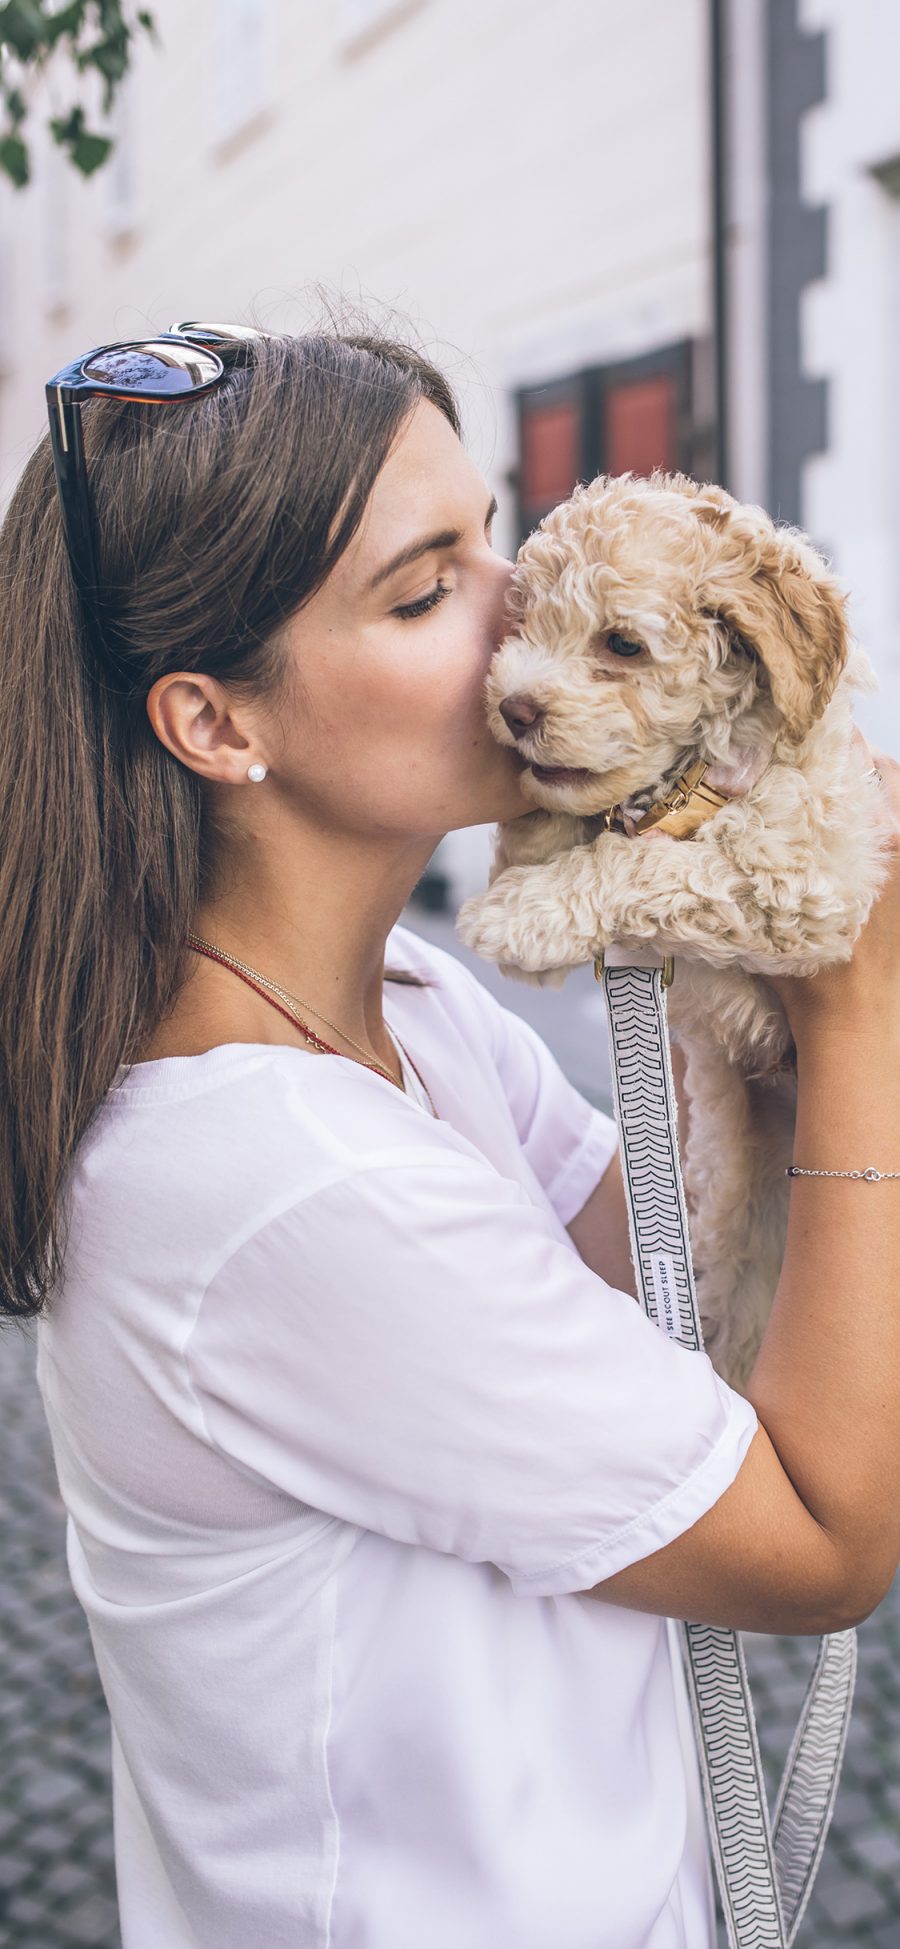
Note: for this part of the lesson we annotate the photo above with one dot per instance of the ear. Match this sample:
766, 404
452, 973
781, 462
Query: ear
776, 598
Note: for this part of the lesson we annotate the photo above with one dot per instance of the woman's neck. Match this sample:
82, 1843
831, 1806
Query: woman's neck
318, 927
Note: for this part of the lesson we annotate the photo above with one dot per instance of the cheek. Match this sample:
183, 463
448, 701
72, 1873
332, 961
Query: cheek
415, 703
401, 713
400, 701
430, 685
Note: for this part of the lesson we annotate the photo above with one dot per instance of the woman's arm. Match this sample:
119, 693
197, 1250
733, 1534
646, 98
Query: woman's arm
807, 1537
599, 1231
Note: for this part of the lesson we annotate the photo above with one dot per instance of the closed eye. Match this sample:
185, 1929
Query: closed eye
423, 604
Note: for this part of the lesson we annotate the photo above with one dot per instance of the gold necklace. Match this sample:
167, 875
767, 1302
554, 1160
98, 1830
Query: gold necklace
294, 1002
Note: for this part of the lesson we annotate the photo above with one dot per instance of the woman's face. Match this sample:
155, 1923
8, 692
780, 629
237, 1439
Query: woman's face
389, 733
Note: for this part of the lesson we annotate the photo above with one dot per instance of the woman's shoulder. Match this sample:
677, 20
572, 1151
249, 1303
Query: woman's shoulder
414, 953
192, 1155
241, 1123
246, 1114
451, 982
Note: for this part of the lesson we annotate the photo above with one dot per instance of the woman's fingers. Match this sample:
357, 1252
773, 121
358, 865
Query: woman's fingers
889, 770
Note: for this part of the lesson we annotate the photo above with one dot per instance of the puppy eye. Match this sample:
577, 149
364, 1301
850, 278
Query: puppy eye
622, 645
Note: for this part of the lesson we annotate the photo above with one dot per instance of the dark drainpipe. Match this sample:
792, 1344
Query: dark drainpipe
719, 200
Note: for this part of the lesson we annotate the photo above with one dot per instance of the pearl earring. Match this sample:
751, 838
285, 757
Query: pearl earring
256, 772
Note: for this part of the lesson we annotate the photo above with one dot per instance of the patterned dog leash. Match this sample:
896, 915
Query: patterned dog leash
765, 1869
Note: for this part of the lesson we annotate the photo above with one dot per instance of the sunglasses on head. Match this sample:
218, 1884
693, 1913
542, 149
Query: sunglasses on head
176, 365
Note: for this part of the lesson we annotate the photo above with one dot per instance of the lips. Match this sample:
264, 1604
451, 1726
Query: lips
559, 775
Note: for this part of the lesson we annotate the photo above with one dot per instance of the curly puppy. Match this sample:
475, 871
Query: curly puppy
660, 625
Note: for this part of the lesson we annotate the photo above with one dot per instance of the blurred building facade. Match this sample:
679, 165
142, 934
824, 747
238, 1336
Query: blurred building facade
666, 233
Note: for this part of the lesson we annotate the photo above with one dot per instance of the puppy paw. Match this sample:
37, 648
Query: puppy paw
548, 977
520, 925
485, 923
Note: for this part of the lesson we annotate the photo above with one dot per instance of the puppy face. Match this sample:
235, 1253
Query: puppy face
657, 621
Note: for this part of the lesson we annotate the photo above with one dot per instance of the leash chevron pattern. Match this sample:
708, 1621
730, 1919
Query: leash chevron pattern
765, 1876
806, 1796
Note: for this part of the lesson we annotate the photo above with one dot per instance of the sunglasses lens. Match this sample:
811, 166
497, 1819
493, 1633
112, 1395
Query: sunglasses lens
159, 368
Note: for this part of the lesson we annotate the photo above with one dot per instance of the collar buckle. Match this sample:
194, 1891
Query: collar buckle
679, 812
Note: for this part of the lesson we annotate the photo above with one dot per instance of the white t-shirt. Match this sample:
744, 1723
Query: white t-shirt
346, 1429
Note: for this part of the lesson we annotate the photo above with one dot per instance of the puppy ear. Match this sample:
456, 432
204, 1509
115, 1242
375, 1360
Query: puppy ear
776, 598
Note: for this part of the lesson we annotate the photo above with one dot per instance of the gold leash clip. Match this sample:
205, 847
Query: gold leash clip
668, 969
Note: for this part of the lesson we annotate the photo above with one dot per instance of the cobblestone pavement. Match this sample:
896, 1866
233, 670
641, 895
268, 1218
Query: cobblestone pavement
56, 1871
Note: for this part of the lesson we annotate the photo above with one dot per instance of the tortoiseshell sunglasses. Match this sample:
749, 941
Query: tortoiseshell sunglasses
176, 365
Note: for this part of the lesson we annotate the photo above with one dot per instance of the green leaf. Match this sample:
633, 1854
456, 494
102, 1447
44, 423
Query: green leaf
111, 61
23, 27
70, 129
14, 160
15, 106
31, 34
69, 20
89, 151
86, 150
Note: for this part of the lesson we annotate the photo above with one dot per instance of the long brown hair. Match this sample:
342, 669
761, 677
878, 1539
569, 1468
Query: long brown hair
216, 520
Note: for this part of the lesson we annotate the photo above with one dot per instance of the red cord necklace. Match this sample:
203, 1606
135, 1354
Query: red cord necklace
225, 960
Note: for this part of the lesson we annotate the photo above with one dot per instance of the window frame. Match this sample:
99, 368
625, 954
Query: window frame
240, 95
590, 387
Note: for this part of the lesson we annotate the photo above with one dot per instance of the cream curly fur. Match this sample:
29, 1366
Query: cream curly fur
745, 659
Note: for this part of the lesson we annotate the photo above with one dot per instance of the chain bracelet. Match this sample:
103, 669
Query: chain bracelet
870, 1175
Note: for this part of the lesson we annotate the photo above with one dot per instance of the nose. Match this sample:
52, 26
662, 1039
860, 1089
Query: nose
521, 714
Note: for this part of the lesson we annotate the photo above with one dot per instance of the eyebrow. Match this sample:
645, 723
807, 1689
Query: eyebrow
447, 538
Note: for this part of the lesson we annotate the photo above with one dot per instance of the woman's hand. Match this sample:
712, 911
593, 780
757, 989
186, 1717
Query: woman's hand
862, 994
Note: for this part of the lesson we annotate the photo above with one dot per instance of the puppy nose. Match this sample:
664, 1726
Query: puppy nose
521, 714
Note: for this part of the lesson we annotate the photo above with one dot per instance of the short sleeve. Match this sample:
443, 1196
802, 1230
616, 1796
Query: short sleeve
414, 1349
567, 1142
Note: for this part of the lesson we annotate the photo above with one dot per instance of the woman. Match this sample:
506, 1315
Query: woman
380, 1487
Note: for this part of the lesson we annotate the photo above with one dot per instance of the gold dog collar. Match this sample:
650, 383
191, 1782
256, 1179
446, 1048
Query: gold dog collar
682, 809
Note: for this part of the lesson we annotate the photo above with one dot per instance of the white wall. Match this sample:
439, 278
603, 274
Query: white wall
527, 182
851, 329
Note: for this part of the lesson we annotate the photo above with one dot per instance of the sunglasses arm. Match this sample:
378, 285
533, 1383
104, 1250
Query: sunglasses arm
64, 414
